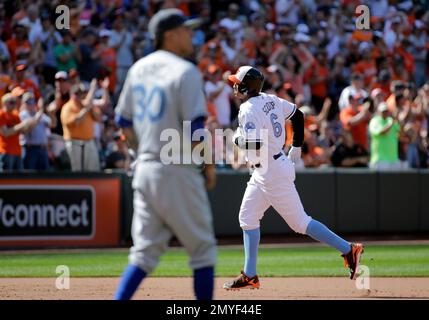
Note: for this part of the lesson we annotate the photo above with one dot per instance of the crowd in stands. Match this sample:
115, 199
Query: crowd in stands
364, 93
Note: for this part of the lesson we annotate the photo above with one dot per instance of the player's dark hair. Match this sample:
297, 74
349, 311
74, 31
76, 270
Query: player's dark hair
158, 41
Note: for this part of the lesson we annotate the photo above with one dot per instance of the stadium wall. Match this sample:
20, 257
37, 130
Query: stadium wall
346, 200
95, 209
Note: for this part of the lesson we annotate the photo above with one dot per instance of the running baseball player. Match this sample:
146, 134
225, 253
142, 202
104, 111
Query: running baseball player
272, 181
161, 91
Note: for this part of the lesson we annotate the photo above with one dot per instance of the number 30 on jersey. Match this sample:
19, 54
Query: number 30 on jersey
149, 103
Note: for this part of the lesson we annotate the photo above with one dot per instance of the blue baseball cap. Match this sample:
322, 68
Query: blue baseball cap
168, 19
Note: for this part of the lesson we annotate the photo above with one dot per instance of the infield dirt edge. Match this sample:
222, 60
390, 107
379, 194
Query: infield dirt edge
180, 288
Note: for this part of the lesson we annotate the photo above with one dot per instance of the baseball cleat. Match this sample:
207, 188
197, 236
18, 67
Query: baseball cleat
352, 259
243, 282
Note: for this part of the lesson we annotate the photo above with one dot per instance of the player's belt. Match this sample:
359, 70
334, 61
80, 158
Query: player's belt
275, 157
278, 155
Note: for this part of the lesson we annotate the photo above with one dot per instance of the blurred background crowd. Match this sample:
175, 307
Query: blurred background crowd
364, 93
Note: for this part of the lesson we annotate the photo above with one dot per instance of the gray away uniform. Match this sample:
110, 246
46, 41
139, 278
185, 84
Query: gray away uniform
160, 92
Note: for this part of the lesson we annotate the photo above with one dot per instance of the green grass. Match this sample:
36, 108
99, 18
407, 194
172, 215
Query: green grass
404, 260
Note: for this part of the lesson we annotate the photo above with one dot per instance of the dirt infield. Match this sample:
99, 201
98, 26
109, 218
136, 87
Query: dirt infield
181, 289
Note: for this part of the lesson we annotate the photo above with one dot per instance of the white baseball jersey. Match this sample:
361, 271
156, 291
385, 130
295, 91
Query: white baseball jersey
273, 183
265, 112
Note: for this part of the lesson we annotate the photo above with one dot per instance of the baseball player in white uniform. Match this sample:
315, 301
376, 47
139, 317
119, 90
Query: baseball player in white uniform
272, 181
161, 91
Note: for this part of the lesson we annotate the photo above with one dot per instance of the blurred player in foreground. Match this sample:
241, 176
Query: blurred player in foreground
161, 91
272, 182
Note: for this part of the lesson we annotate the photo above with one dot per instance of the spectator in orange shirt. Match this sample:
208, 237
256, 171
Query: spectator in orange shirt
356, 118
25, 83
361, 35
366, 67
19, 47
313, 121
380, 49
317, 77
383, 83
10, 128
78, 117
212, 54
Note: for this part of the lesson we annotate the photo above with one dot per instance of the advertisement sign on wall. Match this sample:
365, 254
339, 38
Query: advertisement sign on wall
60, 212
